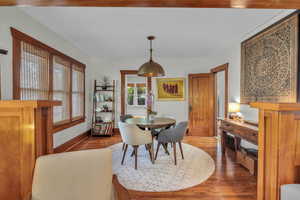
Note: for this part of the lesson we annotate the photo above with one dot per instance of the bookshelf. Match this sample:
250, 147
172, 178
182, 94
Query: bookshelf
103, 109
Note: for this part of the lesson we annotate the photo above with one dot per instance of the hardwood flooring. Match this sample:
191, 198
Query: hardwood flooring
229, 182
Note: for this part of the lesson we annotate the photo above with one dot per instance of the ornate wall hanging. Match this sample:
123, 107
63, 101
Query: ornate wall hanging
170, 89
269, 68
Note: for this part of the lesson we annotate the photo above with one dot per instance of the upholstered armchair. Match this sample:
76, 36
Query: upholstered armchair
134, 136
76, 176
290, 192
173, 136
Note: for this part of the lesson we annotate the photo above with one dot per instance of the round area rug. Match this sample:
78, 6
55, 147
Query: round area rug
162, 176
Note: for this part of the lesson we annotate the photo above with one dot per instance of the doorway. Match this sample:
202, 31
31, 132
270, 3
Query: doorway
220, 74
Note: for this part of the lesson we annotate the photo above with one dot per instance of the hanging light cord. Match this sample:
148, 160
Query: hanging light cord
151, 50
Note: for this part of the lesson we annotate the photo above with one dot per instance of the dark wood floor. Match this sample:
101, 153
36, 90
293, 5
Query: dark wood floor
229, 182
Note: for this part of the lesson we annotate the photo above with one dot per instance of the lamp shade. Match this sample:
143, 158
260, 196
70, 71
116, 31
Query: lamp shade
151, 69
233, 107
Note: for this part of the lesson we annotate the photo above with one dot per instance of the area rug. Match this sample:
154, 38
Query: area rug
162, 176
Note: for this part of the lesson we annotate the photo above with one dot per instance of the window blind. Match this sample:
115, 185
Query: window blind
77, 91
34, 73
61, 89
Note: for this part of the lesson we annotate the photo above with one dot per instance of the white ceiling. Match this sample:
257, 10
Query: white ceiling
118, 33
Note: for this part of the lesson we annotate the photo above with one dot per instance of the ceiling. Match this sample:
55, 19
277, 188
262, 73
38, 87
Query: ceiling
120, 33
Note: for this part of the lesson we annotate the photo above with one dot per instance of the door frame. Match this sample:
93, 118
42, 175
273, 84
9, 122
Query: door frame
212, 105
123, 82
214, 71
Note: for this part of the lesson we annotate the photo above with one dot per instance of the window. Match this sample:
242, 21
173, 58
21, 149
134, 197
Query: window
136, 94
43, 73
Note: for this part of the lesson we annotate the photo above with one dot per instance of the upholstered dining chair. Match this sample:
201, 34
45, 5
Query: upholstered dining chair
173, 136
123, 118
134, 136
75, 176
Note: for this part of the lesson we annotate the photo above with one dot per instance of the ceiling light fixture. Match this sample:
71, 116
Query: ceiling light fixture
151, 68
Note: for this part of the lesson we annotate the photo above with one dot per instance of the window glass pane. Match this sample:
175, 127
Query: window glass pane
141, 94
130, 95
61, 88
77, 92
34, 73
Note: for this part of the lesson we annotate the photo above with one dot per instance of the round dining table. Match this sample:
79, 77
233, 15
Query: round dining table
158, 122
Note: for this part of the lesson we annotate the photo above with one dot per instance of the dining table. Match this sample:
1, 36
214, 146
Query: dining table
156, 123
152, 124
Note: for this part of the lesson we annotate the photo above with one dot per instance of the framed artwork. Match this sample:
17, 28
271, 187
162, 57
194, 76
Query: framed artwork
269, 63
170, 89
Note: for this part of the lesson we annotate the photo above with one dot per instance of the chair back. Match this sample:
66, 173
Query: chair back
73, 176
175, 134
180, 129
132, 135
123, 118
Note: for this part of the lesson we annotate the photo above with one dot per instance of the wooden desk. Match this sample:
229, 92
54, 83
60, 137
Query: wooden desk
240, 131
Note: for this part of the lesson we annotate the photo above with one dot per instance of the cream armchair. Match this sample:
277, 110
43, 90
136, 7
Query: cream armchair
134, 136
79, 175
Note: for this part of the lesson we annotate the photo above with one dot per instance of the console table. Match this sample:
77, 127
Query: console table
240, 131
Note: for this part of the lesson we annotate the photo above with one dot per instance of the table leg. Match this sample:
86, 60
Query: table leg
223, 141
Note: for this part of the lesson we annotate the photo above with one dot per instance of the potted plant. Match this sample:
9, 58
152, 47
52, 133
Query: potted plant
105, 82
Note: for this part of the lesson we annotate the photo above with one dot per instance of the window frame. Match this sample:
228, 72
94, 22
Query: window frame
18, 37
135, 94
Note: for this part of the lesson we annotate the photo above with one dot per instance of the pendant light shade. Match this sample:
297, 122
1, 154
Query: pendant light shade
151, 68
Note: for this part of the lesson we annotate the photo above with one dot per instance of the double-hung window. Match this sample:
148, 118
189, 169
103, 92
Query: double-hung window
43, 73
136, 94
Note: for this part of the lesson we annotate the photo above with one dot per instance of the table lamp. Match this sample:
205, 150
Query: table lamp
233, 109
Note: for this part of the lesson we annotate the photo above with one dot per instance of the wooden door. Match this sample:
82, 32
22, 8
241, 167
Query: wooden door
201, 105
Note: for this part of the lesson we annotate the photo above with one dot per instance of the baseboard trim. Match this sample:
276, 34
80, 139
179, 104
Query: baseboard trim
73, 142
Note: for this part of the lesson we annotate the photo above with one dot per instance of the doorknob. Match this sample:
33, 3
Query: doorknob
190, 108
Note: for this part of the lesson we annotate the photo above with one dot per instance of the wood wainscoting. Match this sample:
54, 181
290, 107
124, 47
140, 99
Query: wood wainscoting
278, 147
73, 142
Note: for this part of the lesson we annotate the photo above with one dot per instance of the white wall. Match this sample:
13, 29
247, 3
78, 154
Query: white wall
13, 17
174, 67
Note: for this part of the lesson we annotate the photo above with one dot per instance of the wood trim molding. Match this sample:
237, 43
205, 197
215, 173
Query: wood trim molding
123, 80
282, 4
224, 68
67, 146
24, 37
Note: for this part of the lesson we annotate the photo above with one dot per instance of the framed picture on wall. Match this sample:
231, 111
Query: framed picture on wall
170, 89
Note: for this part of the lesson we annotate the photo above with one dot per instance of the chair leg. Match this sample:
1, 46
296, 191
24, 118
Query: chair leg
165, 146
135, 155
123, 147
149, 149
158, 145
181, 150
124, 153
174, 150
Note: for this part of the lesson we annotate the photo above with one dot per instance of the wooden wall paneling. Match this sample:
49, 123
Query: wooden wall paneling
291, 4
277, 161
24, 135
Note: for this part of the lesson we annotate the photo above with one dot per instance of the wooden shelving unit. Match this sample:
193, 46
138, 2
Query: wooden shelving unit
103, 109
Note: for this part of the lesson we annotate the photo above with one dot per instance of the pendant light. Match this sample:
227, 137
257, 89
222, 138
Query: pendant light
151, 68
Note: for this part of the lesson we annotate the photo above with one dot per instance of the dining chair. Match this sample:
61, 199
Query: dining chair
123, 118
134, 136
173, 136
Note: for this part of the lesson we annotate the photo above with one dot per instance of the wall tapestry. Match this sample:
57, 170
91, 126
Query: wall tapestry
269, 64
170, 89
